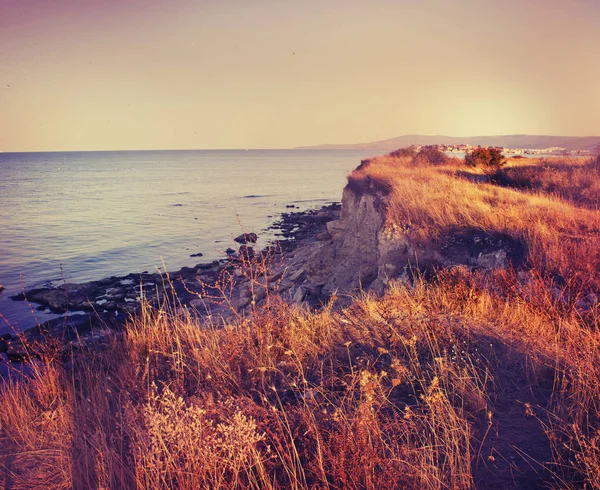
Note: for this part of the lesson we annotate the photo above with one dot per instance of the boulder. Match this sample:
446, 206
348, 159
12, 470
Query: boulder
246, 238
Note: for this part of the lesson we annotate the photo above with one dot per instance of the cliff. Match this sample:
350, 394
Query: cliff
366, 248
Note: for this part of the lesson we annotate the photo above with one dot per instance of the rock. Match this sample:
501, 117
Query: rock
187, 271
298, 275
246, 252
198, 303
199, 254
209, 265
323, 236
284, 285
275, 277
322, 217
245, 292
1, 288
494, 260
246, 238
300, 294
336, 228
290, 206
587, 303
241, 303
259, 293
230, 251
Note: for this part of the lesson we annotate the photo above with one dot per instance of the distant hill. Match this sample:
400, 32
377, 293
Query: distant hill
506, 141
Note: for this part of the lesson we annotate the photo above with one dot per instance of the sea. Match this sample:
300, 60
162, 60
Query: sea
83, 216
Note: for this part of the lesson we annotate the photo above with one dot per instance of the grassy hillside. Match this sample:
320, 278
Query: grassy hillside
456, 378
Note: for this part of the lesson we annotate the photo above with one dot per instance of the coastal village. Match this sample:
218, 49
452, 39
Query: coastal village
554, 150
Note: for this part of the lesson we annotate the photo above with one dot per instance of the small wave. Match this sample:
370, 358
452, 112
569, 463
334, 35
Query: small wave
256, 196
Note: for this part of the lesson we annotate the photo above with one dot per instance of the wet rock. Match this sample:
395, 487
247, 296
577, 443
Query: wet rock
208, 265
230, 251
1, 288
323, 217
199, 254
246, 238
187, 271
110, 306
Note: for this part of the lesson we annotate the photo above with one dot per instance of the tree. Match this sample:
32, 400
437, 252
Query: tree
490, 158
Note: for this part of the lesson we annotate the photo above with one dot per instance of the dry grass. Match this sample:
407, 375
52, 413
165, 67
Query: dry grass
562, 240
427, 387
568, 178
292, 399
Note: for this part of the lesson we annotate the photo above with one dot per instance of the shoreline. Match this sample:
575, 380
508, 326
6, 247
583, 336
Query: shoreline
217, 289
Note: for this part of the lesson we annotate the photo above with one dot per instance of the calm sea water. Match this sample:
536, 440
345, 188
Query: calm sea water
83, 216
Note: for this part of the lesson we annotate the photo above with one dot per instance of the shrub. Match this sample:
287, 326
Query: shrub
489, 158
431, 154
409, 151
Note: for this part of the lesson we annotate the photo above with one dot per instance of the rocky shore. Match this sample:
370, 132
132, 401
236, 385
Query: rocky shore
220, 289
334, 250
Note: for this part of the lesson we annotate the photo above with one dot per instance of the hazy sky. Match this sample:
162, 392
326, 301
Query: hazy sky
137, 74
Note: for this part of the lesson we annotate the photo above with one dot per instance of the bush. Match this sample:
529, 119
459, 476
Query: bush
431, 154
409, 151
489, 158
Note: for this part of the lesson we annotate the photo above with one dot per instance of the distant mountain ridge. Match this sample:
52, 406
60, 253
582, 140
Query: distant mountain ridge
506, 141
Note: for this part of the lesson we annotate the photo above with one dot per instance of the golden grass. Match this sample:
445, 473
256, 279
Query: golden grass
414, 389
561, 238
574, 179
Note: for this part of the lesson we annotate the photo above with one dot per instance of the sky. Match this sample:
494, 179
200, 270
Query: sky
150, 74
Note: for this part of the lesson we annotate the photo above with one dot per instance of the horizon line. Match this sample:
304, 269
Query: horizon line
301, 147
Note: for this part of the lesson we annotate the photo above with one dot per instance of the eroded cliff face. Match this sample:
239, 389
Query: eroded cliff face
361, 250
358, 251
